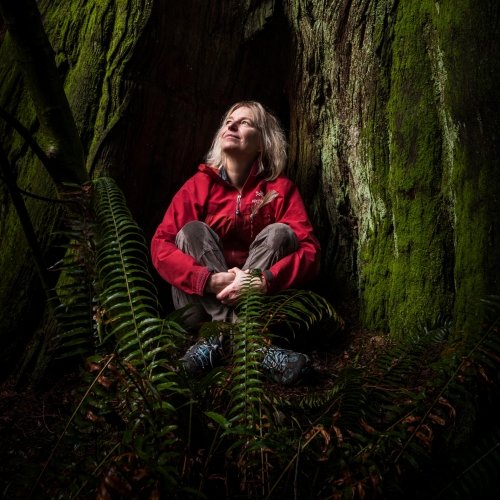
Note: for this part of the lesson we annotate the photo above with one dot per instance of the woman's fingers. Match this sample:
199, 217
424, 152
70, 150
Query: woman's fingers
230, 294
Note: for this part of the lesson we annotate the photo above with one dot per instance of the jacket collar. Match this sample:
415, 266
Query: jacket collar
220, 175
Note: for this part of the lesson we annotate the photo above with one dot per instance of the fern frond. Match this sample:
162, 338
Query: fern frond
76, 309
127, 293
246, 384
131, 405
297, 308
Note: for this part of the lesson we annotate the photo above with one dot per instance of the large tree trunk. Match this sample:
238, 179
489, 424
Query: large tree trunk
400, 101
391, 109
92, 44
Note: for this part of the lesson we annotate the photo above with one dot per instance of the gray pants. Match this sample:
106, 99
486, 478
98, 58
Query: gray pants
196, 239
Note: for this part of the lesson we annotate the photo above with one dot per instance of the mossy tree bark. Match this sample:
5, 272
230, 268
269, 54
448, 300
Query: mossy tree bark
33, 54
400, 103
391, 109
34, 96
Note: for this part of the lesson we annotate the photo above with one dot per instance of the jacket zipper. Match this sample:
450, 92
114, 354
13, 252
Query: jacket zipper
238, 202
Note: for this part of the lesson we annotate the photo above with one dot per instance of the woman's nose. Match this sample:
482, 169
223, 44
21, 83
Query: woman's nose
233, 126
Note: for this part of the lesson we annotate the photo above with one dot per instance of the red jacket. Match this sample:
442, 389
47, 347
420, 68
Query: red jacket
237, 218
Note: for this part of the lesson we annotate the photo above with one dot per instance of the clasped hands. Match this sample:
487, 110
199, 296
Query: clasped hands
228, 286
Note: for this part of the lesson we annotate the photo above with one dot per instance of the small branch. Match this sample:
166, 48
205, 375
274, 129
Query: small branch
25, 220
26, 135
40, 197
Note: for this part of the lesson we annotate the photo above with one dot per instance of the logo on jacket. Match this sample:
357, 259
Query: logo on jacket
262, 199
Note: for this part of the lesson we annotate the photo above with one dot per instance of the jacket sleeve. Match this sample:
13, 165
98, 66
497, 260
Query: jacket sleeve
173, 265
301, 266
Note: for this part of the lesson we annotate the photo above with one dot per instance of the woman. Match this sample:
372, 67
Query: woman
238, 213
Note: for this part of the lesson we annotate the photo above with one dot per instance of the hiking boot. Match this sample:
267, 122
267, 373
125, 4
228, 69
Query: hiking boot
203, 355
284, 366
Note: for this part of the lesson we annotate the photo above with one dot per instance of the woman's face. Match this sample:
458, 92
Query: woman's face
240, 136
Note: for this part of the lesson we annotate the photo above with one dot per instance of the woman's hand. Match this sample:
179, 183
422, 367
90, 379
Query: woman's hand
230, 294
218, 281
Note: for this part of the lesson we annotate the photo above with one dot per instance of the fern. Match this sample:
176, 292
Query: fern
246, 385
296, 309
127, 294
371, 415
131, 403
408, 398
76, 310
242, 421
250, 423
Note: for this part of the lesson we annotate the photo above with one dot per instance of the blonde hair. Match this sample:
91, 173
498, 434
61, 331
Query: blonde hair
272, 159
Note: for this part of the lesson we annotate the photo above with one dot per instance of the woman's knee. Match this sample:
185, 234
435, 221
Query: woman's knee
201, 242
280, 235
195, 234
193, 229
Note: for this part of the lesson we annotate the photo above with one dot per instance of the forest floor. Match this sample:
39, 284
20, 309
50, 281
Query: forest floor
31, 419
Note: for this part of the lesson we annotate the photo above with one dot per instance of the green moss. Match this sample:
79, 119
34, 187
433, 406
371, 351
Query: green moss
469, 40
94, 42
443, 184
404, 270
420, 271
374, 260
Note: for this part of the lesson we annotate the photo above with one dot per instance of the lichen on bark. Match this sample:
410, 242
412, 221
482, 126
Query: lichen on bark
380, 117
